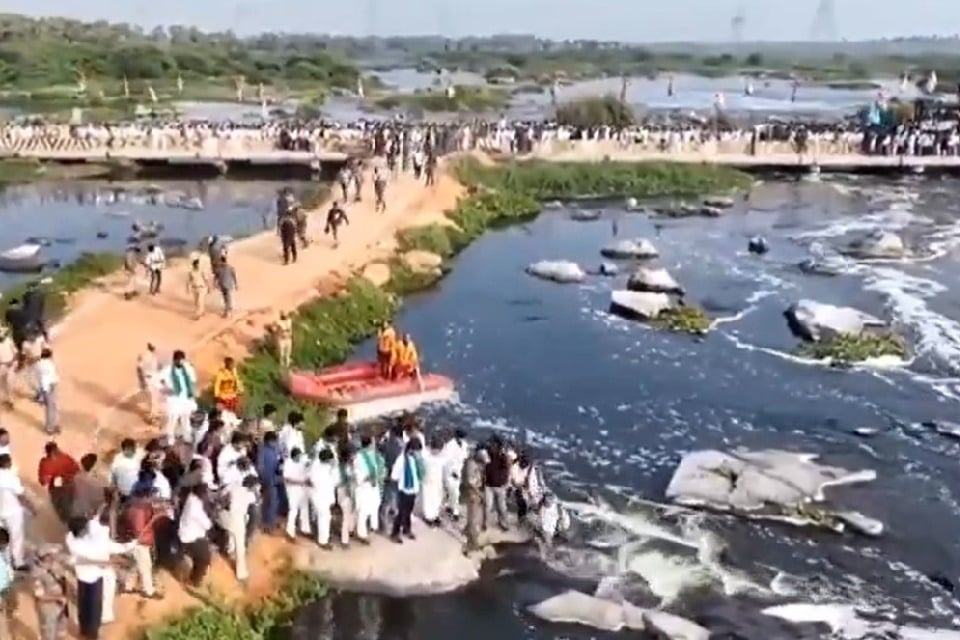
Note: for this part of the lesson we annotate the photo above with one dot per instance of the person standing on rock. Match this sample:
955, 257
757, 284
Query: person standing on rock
431, 496
454, 454
336, 216
323, 478
198, 288
473, 492
226, 278
407, 472
295, 482
346, 492
369, 471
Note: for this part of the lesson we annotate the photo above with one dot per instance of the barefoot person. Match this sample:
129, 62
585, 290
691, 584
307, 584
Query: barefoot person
283, 337
227, 386
386, 343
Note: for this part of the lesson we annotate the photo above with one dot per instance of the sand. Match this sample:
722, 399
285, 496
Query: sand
96, 345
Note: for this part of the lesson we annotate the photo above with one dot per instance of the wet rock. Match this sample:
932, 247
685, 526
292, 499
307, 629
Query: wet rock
377, 273
422, 261
653, 281
574, 607
639, 305
774, 484
815, 321
880, 245
710, 212
608, 269
819, 267
719, 202
671, 627
631, 204
636, 248
758, 245
561, 271
585, 215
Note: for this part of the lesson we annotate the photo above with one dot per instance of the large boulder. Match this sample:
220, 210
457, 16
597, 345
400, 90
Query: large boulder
720, 202
557, 271
639, 305
653, 280
377, 273
776, 484
423, 261
670, 627
815, 321
820, 267
880, 245
633, 249
585, 215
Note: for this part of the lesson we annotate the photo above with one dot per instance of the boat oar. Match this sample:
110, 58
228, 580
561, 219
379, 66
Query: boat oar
419, 380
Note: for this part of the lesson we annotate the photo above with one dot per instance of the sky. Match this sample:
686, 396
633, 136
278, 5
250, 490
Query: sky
621, 20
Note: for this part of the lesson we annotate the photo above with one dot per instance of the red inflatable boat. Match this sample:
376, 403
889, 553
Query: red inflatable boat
358, 388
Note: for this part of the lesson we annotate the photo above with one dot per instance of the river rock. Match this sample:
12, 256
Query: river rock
819, 267
557, 271
671, 627
636, 248
758, 245
771, 483
719, 202
881, 245
608, 269
377, 274
710, 212
585, 215
654, 281
422, 261
639, 305
814, 321
574, 607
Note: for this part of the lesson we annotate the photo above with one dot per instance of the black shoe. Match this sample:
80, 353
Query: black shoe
397, 539
411, 536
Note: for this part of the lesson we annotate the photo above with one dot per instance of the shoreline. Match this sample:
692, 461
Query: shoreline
394, 241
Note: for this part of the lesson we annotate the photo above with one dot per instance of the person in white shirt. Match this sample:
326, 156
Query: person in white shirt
13, 508
407, 472
192, 532
431, 492
155, 262
125, 468
454, 454
48, 382
90, 550
227, 470
369, 472
324, 477
240, 497
291, 435
295, 483
179, 383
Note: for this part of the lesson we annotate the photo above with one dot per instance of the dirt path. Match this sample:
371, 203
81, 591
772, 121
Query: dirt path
96, 346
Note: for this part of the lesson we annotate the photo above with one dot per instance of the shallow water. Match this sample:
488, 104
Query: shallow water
610, 405
70, 215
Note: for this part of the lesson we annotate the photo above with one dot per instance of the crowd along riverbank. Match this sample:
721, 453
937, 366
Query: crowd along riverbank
327, 329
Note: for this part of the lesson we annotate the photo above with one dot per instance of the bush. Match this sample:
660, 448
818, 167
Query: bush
685, 319
847, 349
596, 112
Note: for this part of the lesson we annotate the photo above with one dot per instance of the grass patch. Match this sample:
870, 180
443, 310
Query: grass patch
846, 349
86, 270
267, 620
465, 98
685, 319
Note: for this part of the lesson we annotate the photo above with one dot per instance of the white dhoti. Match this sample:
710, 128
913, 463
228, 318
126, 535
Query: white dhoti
298, 508
13, 521
321, 508
109, 595
431, 499
368, 509
236, 527
179, 410
451, 490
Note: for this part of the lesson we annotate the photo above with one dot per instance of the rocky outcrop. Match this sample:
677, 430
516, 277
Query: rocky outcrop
819, 267
774, 484
585, 215
422, 261
574, 607
639, 305
377, 274
608, 269
877, 246
561, 271
653, 281
816, 321
719, 202
758, 245
634, 249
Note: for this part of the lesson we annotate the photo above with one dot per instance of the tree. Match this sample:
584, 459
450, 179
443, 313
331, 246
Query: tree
755, 59
595, 112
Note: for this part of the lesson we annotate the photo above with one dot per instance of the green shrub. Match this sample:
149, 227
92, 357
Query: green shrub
846, 349
596, 112
685, 319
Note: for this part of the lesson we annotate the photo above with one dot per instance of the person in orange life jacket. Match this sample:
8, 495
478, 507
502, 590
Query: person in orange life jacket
405, 362
227, 386
386, 342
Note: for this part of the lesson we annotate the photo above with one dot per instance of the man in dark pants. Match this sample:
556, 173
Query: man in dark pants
34, 303
89, 586
408, 475
287, 229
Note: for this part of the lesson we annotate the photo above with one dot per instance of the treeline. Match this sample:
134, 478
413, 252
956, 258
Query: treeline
59, 51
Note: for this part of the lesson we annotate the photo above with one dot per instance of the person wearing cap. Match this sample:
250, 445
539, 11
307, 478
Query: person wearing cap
49, 578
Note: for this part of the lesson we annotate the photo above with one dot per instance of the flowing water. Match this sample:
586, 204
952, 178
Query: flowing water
609, 406
73, 217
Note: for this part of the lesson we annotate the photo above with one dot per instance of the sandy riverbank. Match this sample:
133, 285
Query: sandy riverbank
96, 346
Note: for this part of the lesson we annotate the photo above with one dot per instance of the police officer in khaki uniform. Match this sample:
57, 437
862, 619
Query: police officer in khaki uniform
283, 334
197, 287
473, 494
8, 366
50, 590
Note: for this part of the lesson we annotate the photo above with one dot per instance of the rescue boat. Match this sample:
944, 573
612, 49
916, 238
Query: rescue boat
359, 388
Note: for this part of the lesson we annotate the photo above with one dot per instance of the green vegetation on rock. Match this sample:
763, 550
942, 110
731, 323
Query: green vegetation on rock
464, 98
81, 274
683, 319
265, 620
593, 112
846, 349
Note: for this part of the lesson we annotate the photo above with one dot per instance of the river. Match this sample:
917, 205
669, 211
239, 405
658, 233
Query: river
609, 406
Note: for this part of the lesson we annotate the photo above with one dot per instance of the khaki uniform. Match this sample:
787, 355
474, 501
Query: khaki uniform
147, 369
473, 493
50, 590
197, 284
131, 264
8, 367
283, 332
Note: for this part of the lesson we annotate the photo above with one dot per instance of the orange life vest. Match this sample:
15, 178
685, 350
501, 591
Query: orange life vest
226, 385
386, 340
